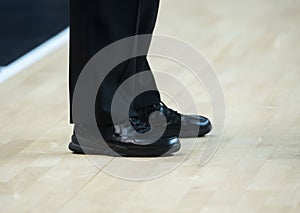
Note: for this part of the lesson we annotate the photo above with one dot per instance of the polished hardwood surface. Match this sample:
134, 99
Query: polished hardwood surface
254, 47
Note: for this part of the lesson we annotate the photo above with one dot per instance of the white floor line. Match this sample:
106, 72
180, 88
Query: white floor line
34, 55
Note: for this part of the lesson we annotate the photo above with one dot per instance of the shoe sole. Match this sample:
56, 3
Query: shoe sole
186, 133
119, 150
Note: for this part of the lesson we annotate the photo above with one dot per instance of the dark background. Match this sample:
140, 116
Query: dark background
24, 24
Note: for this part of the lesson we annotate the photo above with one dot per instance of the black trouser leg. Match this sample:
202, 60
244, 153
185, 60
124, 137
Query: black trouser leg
95, 24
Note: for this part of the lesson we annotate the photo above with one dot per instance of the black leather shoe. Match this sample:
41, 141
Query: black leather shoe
179, 125
125, 145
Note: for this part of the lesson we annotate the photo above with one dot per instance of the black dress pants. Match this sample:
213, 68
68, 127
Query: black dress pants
94, 24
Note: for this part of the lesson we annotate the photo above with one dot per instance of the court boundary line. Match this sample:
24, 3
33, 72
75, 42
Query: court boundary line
34, 55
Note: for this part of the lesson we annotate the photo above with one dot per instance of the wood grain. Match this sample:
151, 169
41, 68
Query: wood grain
254, 47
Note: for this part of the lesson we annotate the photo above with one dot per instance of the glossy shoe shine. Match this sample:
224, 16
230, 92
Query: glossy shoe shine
117, 145
185, 126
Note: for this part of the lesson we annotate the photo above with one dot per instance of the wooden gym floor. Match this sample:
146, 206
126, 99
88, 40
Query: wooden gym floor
254, 47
